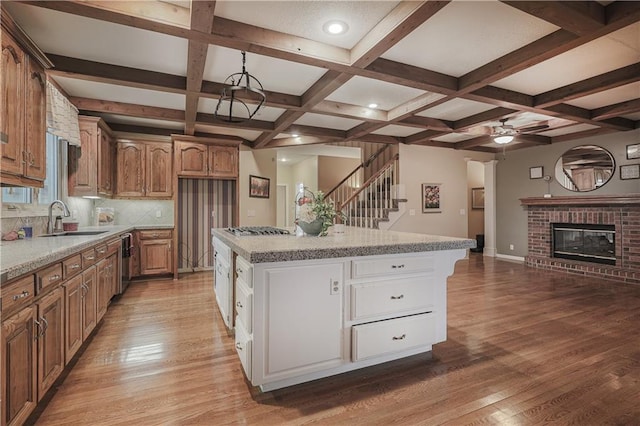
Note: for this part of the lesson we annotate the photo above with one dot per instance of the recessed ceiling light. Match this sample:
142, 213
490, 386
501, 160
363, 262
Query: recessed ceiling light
295, 135
373, 105
335, 27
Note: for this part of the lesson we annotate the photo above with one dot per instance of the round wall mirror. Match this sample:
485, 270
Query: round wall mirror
585, 168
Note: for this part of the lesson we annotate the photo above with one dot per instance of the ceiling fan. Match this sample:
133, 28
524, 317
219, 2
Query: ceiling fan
505, 133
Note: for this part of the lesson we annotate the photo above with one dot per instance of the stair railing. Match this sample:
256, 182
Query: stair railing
365, 207
353, 181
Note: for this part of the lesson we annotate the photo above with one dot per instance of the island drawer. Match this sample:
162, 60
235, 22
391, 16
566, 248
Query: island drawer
375, 266
243, 348
396, 335
401, 296
72, 266
113, 246
244, 271
244, 305
18, 293
221, 251
88, 258
49, 276
101, 251
153, 234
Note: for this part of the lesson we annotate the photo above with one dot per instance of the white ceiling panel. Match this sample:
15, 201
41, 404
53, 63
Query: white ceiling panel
114, 93
94, 40
608, 97
318, 120
320, 149
602, 55
362, 91
400, 131
306, 18
275, 75
208, 106
455, 137
634, 117
456, 109
568, 130
136, 121
249, 135
465, 35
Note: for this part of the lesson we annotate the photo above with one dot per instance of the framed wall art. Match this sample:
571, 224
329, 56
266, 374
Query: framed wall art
431, 198
633, 151
630, 171
477, 198
258, 187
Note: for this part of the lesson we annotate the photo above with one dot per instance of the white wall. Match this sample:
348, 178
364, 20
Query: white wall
257, 211
420, 164
475, 179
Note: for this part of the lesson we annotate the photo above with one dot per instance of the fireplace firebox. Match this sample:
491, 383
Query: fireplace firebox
584, 242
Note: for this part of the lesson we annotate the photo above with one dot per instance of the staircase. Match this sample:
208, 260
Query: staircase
376, 203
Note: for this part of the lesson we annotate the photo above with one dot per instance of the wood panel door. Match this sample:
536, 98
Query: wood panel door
83, 162
89, 301
36, 127
19, 367
131, 169
73, 291
12, 114
106, 162
192, 159
155, 257
51, 340
103, 288
159, 178
223, 161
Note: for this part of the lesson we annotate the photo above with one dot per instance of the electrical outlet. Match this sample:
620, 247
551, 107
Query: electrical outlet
158, 213
412, 212
335, 287
462, 212
510, 246
251, 213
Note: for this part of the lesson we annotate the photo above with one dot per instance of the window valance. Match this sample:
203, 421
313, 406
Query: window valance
62, 116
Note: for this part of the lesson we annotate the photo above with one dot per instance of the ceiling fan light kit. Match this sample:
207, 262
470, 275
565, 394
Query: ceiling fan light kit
230, 104
502, 139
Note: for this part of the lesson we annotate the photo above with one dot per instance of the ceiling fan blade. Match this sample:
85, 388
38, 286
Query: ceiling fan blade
533, 128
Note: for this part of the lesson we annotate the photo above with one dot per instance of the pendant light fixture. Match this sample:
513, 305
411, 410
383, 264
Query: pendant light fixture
240, 92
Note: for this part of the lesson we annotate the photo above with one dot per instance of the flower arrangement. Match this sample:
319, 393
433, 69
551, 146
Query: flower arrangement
315, 214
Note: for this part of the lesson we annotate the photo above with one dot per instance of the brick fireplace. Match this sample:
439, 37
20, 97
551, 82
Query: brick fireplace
623, 212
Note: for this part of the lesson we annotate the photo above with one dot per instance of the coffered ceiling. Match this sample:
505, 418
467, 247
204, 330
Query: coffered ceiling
441, 73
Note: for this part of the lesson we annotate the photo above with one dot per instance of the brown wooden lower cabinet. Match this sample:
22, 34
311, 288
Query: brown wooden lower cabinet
73, 291
50, 339
155, 255
89, 301
19, 367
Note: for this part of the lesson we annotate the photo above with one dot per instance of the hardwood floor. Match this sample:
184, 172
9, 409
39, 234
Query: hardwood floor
525, 347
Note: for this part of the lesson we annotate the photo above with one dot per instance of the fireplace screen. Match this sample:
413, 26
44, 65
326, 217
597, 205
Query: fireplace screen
588, 243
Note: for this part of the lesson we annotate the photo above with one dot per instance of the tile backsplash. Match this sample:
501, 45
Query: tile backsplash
138, 212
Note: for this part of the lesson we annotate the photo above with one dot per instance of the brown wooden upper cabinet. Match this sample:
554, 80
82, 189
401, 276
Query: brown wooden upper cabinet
195, 159
144, 170
92, 165
22, 115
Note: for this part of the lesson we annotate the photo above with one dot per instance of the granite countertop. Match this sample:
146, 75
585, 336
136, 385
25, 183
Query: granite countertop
353, 242
20, 257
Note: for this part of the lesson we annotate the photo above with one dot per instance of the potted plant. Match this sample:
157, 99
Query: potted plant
315, 214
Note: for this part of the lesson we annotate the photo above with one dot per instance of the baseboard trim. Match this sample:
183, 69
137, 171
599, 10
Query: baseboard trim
509, 257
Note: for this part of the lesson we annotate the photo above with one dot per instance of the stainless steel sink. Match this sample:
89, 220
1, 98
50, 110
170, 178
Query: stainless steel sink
73, 233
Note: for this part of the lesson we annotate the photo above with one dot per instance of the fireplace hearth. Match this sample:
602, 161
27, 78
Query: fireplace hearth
584, 242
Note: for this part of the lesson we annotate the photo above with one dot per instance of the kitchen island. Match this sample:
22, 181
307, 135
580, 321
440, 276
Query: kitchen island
312, 307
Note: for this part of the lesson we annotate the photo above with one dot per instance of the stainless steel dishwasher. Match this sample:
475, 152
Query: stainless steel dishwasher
126, 251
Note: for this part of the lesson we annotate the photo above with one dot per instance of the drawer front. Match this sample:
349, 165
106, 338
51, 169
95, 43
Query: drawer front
244, 271
113, 246
88, 258
244, 305
396, 335
153, 234
49, 276
72, 266
221, 250
243, 348
101, 251
17, 294
382, 266
401, 296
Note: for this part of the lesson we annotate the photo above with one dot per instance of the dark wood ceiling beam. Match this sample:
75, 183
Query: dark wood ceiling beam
470, 143
143, 130
581, 135
409, 75
426, 136
386, 139
339, 109
211, 120
301, 140
315, 131
610, 111
582, 115
202, 13
363, 129
482, 117
432, 143
599, 83
578, 17
130, 110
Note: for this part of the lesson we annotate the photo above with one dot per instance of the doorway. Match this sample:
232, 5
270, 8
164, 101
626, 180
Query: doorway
282, 214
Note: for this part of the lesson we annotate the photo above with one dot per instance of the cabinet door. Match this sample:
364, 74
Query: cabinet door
103, 287
50, 340
191, 159
106, 158
114, 275
19, 366
36, 111
12, 114
83, 161
223, 161
223, 290
155, 257
159, 178
73, 294
131, 169
89, 301
298, 321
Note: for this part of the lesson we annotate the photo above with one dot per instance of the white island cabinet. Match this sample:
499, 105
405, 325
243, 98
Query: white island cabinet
309, 307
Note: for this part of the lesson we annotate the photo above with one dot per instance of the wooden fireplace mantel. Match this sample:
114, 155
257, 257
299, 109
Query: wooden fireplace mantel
583, 200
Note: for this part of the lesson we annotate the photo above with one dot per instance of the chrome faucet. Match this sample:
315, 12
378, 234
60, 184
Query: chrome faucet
50, 227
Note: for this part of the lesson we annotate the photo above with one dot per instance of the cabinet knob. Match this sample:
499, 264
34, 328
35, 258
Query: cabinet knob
238, 304
397, 266
399, 337
397, 297
238, 346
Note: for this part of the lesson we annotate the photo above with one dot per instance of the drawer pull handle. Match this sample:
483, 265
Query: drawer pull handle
54, 277
239, 305
399, 338
397, 297
102, 251
75, 266
397, 266
90, 257
240, 271
238, 346
22, 295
